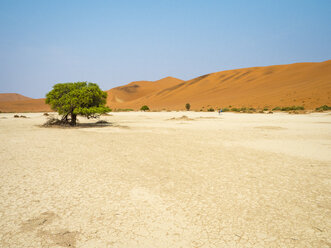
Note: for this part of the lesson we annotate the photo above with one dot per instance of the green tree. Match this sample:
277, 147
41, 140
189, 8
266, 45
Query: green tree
144, 108
187, 106
79, 98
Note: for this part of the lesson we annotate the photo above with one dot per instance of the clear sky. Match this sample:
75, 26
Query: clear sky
43, 42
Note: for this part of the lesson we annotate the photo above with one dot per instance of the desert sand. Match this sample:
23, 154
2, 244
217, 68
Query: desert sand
32, 105
6, 97
159, 180
299, 84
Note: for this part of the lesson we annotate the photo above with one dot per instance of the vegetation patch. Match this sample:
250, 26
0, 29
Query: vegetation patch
323, 108
291, 108
20, 116
144, 108
187, 106
123, 110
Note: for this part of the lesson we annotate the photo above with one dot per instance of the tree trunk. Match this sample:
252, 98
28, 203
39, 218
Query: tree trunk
73, 119
64, 119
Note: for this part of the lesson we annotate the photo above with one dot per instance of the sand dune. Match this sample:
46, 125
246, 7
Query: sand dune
31, 105
139, 89
301, 84
7, 97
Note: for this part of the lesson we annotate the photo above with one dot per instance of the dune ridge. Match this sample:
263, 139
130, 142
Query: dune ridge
7, 97
300, 84
23, 106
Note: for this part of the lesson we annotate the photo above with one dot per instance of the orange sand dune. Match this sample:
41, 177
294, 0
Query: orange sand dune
139, 89
6, 97
31, 105
300, 84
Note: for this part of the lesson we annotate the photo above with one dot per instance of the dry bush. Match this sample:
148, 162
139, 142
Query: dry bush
102, 122
52, 121
18, 116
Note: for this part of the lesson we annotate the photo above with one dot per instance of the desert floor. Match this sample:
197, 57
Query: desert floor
234, 180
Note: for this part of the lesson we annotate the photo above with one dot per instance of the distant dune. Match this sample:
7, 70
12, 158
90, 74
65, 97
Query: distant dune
300, 84
135, 91
6, 97
31, 105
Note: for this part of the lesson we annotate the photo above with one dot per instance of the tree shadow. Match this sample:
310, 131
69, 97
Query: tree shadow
100, 124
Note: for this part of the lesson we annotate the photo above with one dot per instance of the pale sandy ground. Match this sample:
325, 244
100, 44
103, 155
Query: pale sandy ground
235, 180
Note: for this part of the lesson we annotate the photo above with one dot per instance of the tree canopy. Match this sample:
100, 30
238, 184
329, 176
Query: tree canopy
79, 98
144, 108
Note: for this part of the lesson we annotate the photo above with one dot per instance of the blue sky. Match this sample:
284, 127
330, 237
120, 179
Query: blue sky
115, 42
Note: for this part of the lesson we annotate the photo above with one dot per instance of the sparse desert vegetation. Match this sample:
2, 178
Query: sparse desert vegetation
123, 110
323, 108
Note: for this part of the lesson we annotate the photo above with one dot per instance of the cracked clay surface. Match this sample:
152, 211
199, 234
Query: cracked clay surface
235, 180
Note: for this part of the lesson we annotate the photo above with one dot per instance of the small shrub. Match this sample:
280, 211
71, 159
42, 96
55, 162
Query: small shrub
144, 108
265, 109
187, 106
16, 116
235, 110
292, 108
225, 110
54, 122
298, 107
277, 109
252, 109
210, 110
102, 122
46, 114
323, 108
